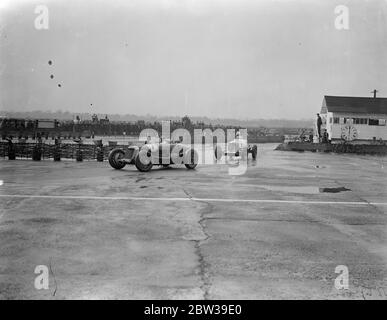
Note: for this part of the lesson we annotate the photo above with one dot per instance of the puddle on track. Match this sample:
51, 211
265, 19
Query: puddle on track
294, 189
305, 189
334, 190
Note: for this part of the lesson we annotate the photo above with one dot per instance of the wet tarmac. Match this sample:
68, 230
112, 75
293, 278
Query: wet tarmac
277, 232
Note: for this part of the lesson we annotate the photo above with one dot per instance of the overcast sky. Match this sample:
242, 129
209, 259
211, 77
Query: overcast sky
232, 58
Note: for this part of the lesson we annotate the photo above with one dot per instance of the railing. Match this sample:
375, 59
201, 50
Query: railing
47, 151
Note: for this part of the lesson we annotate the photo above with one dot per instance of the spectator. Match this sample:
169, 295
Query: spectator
325, 138
319, 123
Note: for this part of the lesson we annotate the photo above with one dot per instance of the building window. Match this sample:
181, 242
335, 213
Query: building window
336, 120
382, 122
373, 122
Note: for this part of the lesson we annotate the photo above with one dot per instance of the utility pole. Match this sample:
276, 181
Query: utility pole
374, 92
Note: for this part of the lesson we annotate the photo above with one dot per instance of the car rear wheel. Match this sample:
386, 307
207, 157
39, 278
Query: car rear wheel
114, 158
193, 159
254, 152
141, 166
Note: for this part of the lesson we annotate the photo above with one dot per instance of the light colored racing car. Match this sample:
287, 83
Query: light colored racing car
237, 148
160, 153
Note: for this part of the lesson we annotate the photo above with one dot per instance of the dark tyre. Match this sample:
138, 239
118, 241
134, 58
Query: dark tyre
141, 166
192, 159
114, 158
218, 152
254, 152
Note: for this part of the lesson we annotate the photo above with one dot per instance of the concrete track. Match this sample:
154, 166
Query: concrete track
277, 231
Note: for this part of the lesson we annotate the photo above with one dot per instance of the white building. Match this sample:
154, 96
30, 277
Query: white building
355, 119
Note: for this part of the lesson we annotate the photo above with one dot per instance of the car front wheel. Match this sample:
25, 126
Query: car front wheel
114, 159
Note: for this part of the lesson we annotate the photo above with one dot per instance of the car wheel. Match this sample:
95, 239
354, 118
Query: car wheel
142, 167
254, 152
193, 159
218, 152
114, 158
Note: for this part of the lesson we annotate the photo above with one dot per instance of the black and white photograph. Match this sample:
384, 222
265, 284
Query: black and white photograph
193, 150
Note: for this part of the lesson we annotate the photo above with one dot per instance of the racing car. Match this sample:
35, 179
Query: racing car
237, 148
162, 153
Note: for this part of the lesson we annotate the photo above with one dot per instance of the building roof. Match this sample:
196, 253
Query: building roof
354, 105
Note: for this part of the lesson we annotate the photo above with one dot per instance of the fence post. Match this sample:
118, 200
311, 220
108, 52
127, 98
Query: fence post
99, 150
78, 154
57, 150
11, 150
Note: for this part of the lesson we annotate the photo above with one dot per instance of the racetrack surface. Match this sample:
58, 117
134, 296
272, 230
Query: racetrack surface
276, 232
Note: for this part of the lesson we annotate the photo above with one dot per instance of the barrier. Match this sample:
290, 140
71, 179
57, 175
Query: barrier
100, 154
56, 152
79, 155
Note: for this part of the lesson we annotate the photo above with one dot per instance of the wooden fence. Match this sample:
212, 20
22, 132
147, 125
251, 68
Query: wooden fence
47, 151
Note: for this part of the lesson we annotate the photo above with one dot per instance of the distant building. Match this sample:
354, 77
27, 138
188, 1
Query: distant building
355, 119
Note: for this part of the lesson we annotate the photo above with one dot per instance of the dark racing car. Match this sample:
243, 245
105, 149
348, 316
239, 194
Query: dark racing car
162, 154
